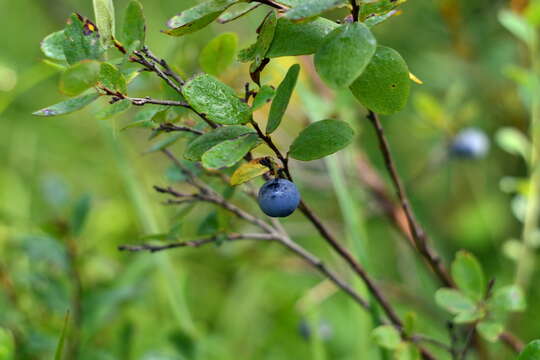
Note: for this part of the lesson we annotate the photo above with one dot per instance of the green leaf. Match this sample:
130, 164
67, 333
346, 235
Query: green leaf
320, 139
454, 301
104, 12
310, 9
407, 351
79, 77
203, 143
307, 37
53, 46
7, 345
518, 26
60, 347
409, 323
111, 78
219, 53
531, 351
239, 10
81, 40
380, 7
134, 26
344, 54
282, 98
468, 275
209, 96
259, 49
266, 94
80, 214
164, 143
387, 337
197, 17
384, 85
508, 298
514, 142
67, 106
468, 317
378, 19
115, 109
490, 330
229, 152
144, 117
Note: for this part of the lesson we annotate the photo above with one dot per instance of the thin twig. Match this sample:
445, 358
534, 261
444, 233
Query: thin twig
419, 235
195, 243
168, 127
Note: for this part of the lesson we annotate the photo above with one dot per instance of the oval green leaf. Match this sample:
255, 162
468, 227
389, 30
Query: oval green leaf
134, 26
468, 275
531, 351
320, 139
454, 301
344, 54
53, 46
307, 37
81, 40
197, 17
310, 9
386, 336
219, 53
490, 330
209, 96
111, 78
104, 12
67, 106
257, 52
266, 94
282, 98
229, 152
79, 77
203, 143
384, 85
508, 298
115, 109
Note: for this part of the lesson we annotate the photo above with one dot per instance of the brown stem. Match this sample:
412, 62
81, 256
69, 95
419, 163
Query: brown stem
419, 235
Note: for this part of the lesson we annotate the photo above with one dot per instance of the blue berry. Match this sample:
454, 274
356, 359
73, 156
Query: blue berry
470, 143
279, 198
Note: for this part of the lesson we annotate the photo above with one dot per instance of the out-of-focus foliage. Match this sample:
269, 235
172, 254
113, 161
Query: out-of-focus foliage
73, 188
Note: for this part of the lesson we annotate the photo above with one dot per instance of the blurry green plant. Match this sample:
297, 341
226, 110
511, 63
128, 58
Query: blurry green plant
99, 62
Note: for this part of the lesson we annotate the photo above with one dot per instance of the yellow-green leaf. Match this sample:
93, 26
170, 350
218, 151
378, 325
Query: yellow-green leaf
250, 170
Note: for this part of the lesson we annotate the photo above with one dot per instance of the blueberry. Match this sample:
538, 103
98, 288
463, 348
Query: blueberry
470, 143
279, 198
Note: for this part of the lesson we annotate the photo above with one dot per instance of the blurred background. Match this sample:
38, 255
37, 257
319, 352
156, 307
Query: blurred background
73, 188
